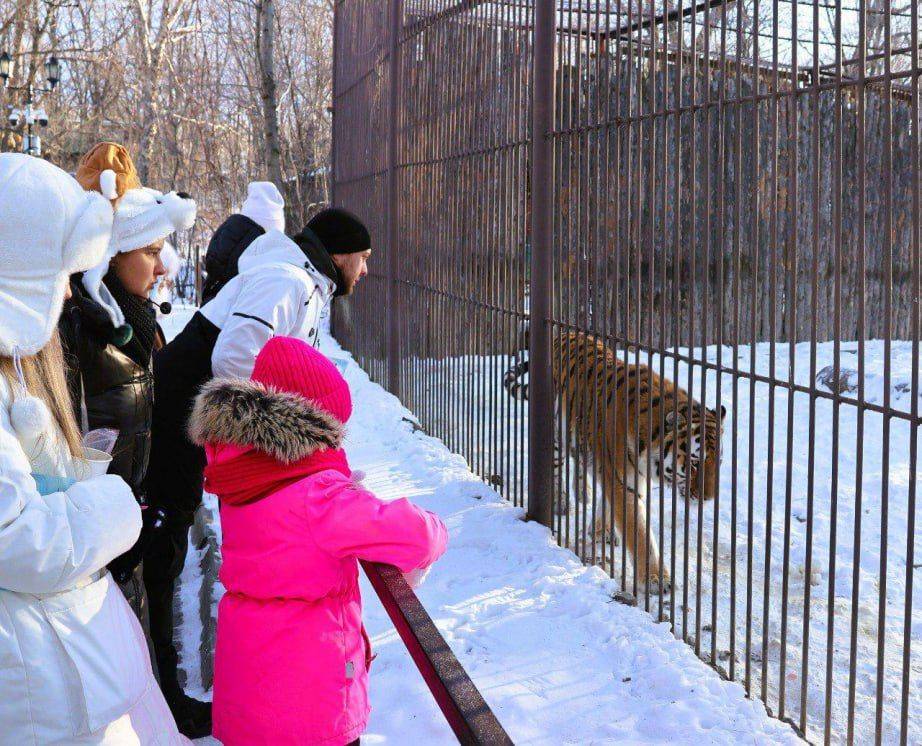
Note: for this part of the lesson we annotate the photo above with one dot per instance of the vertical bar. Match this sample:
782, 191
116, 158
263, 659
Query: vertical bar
705, 305
737, 307
837, 337
649, 58
720, 290
887, 176
334, 97
755, 211
540, 389
811, 456
861, 279
677, 254
773, 351
393, 267
791, 330
664, 254
518, 259
916, 240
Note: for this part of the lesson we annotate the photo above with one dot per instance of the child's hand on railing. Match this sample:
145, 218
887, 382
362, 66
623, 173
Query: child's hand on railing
416, 577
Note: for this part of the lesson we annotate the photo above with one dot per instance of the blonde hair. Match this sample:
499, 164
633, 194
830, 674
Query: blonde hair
44, 377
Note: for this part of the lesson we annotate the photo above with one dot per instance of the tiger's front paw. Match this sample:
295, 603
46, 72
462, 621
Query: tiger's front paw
656, 583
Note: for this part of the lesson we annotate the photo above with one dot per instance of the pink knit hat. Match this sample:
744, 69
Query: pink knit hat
291, 365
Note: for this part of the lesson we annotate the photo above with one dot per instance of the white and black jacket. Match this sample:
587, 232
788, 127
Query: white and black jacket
277, 292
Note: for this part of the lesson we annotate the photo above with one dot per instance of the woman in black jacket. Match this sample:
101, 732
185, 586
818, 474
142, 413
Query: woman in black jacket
110, 368
110, 375
110, 334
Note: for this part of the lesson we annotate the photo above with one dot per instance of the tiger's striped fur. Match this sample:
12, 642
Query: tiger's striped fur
626, 422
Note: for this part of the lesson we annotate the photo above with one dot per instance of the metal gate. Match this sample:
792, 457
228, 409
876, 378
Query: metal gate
670, 211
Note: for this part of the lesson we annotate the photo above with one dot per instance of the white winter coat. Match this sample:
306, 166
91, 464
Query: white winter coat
278, 292
74, 667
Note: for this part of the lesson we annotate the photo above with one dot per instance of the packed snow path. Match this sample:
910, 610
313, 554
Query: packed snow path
555, 657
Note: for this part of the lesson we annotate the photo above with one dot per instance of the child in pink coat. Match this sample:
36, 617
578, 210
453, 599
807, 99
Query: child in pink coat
292, 656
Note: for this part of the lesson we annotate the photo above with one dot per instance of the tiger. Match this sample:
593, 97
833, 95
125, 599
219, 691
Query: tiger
621, 419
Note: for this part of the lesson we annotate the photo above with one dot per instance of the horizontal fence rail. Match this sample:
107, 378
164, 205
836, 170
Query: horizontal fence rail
654, 270
470, 718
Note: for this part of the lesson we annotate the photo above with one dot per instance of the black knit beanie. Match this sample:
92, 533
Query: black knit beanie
340, 231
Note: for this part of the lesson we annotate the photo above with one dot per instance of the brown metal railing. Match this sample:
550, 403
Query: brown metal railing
470, 718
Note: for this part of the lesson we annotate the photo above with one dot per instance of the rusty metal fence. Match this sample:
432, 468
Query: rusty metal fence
654, 270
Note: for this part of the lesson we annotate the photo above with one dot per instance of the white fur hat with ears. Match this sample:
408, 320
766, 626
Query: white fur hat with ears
142, 217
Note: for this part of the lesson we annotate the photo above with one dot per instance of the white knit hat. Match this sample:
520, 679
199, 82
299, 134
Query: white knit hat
265, 206
142, 216
49, 229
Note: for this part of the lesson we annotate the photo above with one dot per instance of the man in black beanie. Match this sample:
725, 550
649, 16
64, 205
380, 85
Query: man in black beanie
273, 286
337, 243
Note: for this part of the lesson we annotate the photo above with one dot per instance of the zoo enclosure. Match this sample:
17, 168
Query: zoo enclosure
727, 193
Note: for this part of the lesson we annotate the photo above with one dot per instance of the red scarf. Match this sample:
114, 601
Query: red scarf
253, 475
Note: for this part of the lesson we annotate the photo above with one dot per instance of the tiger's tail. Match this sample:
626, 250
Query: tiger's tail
514, 379
513, 383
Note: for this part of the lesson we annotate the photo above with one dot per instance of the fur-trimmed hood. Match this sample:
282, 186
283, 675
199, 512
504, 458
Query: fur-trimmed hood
244, 413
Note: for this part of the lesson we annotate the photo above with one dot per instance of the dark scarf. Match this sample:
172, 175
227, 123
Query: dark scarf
139, 315
320, 258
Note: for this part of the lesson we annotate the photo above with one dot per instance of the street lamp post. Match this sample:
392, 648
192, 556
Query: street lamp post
32, 112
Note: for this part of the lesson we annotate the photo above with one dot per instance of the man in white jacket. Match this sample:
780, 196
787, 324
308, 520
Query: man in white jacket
283, 287
74, 668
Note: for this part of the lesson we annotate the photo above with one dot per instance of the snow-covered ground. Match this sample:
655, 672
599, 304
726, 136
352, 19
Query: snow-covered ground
480, 379
554, 656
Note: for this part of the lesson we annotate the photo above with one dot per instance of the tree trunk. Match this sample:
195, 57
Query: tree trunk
265, 43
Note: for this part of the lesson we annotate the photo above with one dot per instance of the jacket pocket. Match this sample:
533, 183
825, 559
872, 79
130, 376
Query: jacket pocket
106, 668
369, 655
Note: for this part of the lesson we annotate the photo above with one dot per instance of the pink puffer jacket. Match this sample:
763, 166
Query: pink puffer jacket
291, 661
291, 664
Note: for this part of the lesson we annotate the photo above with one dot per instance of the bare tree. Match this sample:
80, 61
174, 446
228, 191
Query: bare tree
265, 54
206, 94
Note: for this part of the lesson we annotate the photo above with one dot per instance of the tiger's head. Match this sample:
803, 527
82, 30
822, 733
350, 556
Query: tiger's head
691, 450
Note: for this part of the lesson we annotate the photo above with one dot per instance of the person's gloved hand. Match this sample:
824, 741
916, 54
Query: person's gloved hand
47, 485
123, 567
